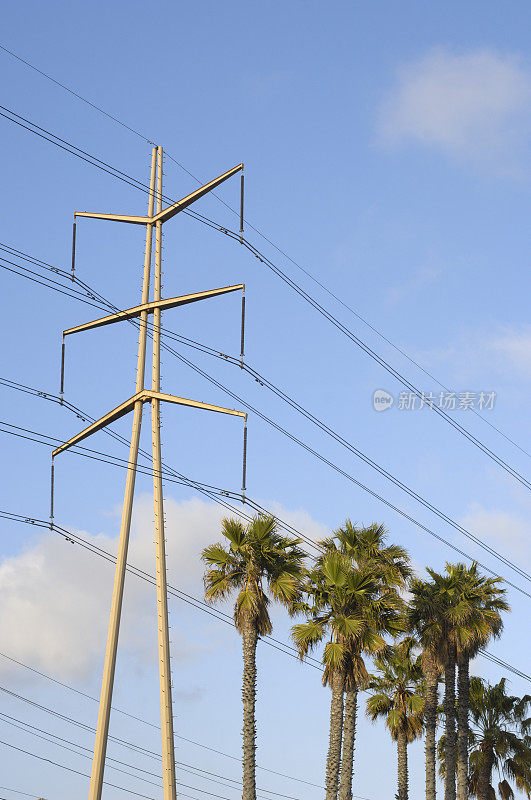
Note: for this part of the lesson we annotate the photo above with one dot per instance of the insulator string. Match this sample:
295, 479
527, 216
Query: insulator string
244, 475
62, 369
73, 249
51, 494
241, 207
242, 343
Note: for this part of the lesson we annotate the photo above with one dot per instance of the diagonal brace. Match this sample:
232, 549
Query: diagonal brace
146, 395
136, 311
112, 416
168, 212
183, 401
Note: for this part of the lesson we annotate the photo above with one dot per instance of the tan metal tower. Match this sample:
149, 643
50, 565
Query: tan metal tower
153, 220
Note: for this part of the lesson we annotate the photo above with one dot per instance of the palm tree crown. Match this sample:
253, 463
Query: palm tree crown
475, 603
337, 593
500, 739
256, 555
398, 691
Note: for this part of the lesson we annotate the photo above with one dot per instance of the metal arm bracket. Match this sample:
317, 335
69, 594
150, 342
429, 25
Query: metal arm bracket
146, 395
136, 311
168, 212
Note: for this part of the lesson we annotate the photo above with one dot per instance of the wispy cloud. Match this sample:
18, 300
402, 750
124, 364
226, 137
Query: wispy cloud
493, 356
473, 106
514, 347
504, 530
424, 277
56, 597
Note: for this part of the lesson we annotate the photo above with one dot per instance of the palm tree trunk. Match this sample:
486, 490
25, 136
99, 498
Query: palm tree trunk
349, 736
430, 717
336, 728
485, 777
403, 790
463, 703
249, 640
449, 712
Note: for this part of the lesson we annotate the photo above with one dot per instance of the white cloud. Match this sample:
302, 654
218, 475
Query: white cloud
56, 596
514, 347
485, 360
508, 532
424, 277
472, 105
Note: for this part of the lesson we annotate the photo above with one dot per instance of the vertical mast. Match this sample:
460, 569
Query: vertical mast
166, 706
135, 403
100, 746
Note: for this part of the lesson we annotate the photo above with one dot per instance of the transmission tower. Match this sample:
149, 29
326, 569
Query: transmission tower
153, 396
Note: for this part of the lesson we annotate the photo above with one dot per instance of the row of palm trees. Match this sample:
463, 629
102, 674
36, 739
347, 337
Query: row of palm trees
353, 601
499, 740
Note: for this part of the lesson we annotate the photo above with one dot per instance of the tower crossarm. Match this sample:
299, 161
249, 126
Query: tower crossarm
182, 401
168, 212
115, 217
136, 311
145, 396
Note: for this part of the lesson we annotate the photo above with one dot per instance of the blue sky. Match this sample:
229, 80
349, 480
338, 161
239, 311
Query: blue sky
387, 151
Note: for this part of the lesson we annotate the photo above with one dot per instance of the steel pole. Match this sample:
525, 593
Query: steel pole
100, 746
166, 705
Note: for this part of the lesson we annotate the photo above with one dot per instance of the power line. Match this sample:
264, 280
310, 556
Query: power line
140, 750
501, 663
75, 538
377, 466
282, 252
70, 769
36, 436
151, 724
330, 432
322, 286
105, 167
106, 458
338, 438
17, 791
195, 602
75, 94
209, 775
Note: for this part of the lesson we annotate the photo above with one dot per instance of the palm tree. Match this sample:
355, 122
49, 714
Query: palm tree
500, 738
451, 612
477, 618
389, 565
424, 619
342, 603
446, 592
399, 697
466, 612
256, 556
